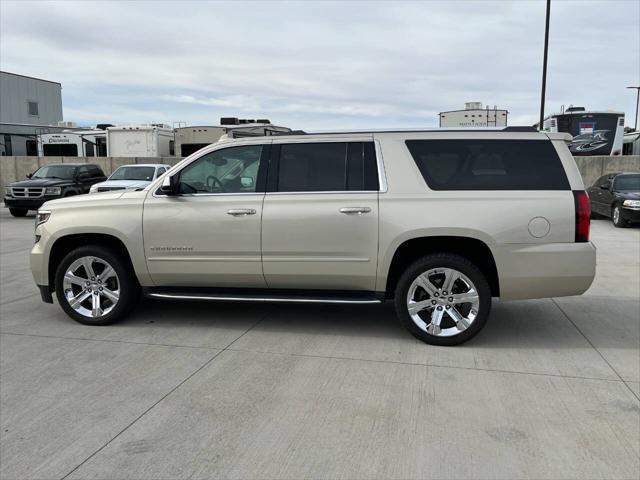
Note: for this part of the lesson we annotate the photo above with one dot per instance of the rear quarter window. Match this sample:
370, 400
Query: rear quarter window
489, 164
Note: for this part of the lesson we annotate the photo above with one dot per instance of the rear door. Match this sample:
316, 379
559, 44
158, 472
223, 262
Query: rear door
320, 216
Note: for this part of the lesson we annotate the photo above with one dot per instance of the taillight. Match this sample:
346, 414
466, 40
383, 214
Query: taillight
583, 215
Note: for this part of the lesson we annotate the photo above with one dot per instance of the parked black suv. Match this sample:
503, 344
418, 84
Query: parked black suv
616, 195
50, 182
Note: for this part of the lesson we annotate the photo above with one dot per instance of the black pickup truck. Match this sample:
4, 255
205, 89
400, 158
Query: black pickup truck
50, 182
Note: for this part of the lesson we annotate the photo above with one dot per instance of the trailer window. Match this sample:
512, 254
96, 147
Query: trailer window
88, 150
60, 150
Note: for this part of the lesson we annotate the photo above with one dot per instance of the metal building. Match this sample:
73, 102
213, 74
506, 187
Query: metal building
28, 106
474, 115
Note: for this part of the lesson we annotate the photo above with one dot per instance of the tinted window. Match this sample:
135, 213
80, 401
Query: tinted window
362, 171
627, 183
89, 149
95, 171
327, 167
55, 171
313, 167
489, 164
231, 170
60, 150
133, 173
33, 108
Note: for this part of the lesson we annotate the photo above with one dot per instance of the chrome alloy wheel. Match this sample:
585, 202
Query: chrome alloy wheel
443, 302
91, 287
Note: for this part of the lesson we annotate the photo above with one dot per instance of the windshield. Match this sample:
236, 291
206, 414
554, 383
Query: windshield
133, 173
55, 171
627, 183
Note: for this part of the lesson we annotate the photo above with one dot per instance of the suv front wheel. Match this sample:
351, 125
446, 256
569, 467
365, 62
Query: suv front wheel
443, 299
94, 286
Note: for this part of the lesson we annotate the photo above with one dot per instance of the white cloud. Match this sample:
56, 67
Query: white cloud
321, 64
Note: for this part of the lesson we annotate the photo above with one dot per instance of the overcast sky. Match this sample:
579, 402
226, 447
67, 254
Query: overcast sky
322, 65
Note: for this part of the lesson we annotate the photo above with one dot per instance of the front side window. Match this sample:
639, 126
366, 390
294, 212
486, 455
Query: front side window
133, 173
489, 164
56, 171
230, 170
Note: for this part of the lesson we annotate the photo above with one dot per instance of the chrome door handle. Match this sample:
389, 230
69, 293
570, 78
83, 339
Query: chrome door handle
241, 212
355, 210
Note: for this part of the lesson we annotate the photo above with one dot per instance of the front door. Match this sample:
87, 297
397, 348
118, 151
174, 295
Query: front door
209, 234
320, 217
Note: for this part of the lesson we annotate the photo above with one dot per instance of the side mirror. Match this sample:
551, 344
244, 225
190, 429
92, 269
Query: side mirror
169, 185
29, 175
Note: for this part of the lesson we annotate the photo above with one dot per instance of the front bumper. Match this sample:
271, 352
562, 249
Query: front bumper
545, 270
630, 214
28, 203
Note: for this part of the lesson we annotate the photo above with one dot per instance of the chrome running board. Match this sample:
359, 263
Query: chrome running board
316, 297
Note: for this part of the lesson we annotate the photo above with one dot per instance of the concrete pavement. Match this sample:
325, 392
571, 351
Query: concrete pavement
550, 388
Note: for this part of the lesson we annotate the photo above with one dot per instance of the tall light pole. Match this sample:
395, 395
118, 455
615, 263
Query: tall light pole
637, 103
544, 65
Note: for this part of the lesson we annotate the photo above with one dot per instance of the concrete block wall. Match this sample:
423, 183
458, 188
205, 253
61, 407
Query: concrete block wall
592, 168
16, 168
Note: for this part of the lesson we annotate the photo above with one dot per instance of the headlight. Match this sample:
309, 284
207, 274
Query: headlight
631, 203
7, 191
42, 216
52, 191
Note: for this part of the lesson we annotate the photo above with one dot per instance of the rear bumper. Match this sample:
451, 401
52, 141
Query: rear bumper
545, 270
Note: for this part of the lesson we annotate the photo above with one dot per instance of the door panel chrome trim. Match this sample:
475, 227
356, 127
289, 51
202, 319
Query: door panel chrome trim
172, 296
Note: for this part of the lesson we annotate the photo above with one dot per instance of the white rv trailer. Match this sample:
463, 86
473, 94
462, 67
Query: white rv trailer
631, 143
191, 139
73, 143
594, 132
140, 141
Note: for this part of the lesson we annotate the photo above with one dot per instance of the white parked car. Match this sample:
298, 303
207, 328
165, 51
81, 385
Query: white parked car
130, 177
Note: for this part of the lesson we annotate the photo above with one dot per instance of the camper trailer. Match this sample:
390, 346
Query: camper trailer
631, 143
191, 139
594, 133
153, 140
73, 143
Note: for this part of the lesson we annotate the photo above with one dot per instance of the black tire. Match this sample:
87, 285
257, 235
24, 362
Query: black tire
129, 287
620, 222
443, 260
18, 212
69, 194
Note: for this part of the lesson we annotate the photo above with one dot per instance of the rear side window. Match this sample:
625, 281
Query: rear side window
327, 167
489, 164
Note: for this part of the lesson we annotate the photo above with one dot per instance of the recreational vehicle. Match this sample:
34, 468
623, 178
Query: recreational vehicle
140, 141
73, 143
631, 143
594, 133
191, 139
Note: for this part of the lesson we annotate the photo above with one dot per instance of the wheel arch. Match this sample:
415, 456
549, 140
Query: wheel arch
473, 249
63, 245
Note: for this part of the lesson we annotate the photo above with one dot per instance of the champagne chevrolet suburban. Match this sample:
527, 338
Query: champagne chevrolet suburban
438, 221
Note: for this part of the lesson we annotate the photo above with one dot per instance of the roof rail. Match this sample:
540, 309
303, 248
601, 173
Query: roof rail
520, 129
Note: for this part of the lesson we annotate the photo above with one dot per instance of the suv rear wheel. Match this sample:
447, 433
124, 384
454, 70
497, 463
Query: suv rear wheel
443, 299
18, 212
94, 286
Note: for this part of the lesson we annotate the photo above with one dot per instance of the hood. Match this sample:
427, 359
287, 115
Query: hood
83, 200
124, 183
629, 195
41, 182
